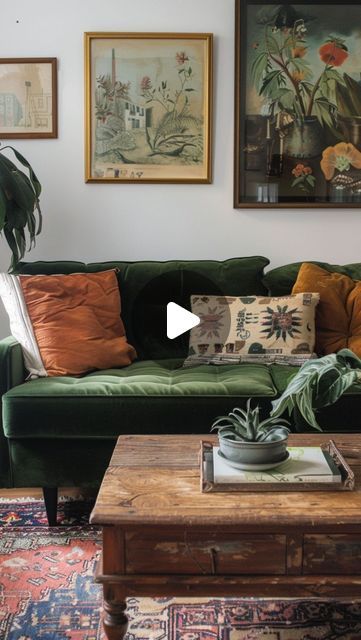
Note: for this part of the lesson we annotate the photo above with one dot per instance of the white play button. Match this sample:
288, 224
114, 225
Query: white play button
179, 320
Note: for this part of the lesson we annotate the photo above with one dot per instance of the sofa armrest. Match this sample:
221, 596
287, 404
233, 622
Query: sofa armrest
12, 370
12, 373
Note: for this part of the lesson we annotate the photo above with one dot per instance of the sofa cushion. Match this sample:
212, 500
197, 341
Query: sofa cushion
146, 397
67, 324
338, 315
253, 329
147, 287
280, 281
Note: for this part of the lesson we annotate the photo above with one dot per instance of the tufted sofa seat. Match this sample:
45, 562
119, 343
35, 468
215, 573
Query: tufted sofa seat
60, 431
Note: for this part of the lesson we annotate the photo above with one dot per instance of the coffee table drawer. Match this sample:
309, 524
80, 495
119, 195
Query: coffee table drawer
192, 553
333, 553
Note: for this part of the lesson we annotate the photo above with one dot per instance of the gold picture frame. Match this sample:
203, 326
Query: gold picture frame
148, 107
28, 98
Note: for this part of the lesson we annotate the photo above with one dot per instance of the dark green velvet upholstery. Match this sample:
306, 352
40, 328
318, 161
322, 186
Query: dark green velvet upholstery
12, 373
280, 281
147, 287
148, 396
59, 463
61, 431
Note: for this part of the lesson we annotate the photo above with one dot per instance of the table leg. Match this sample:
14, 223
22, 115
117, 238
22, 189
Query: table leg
115, 621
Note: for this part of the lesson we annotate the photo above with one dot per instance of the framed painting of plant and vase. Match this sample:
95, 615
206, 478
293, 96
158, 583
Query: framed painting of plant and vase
28, 98
148, 107
298, 104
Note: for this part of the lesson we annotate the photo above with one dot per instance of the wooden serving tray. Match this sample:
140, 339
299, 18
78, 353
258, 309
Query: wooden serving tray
208, 485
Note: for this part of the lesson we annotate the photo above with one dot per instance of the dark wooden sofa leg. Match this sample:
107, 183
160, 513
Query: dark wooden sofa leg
51, 504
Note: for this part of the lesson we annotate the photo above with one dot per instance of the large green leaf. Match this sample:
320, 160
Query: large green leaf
11, 240
34, 180
333, 74
17, 217
19, 199
324, 110
285, 98
303, 67
3, 203
319, 383
20, 241
17, 184
354, 91
344, 102
258, 67
270, 83
272, 44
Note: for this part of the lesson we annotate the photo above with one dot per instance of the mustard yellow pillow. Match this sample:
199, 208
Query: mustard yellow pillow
338, 314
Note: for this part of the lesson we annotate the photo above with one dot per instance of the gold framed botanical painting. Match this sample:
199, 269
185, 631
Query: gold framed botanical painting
28, 98
148, 99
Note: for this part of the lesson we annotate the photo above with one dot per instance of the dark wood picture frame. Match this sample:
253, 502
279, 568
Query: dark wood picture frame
29, 112
308, 50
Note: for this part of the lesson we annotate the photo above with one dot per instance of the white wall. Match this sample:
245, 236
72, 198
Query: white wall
109, 221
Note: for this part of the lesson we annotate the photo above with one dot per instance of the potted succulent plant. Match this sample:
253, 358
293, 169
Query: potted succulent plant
19, 200
244, 439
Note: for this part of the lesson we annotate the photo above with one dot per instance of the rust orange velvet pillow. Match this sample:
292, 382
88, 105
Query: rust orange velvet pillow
67, 324
338, 314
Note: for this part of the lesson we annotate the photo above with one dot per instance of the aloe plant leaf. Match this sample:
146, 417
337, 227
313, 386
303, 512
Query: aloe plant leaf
237, 410
217, 422
227, 421
261, 437
265, 424
235, 423
273, 436
239, 419
227, 433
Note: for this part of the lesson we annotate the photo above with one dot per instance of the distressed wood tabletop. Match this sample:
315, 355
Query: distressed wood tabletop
154, 480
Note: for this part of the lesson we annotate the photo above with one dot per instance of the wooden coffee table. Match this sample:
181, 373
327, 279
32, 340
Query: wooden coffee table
163, 537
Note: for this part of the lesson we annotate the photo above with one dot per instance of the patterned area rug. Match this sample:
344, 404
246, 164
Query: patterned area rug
47, 593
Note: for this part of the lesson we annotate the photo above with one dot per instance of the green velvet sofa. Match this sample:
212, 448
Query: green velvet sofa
61, 431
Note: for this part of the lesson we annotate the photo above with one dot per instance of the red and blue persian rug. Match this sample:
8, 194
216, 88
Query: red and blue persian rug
47, 592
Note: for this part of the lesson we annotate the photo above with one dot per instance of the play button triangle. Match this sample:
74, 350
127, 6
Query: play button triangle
179, 320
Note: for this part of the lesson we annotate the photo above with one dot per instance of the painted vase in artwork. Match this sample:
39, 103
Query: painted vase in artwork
305, 138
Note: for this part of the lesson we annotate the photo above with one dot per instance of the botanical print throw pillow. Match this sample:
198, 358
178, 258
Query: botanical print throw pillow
253, 329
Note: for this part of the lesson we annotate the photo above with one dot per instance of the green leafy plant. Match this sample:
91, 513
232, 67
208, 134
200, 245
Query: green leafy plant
319, 383
177, 130
244, 426
19, 200
282, 72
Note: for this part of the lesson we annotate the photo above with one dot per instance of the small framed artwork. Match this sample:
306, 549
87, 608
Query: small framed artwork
148, 99
297, 104
28, 98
